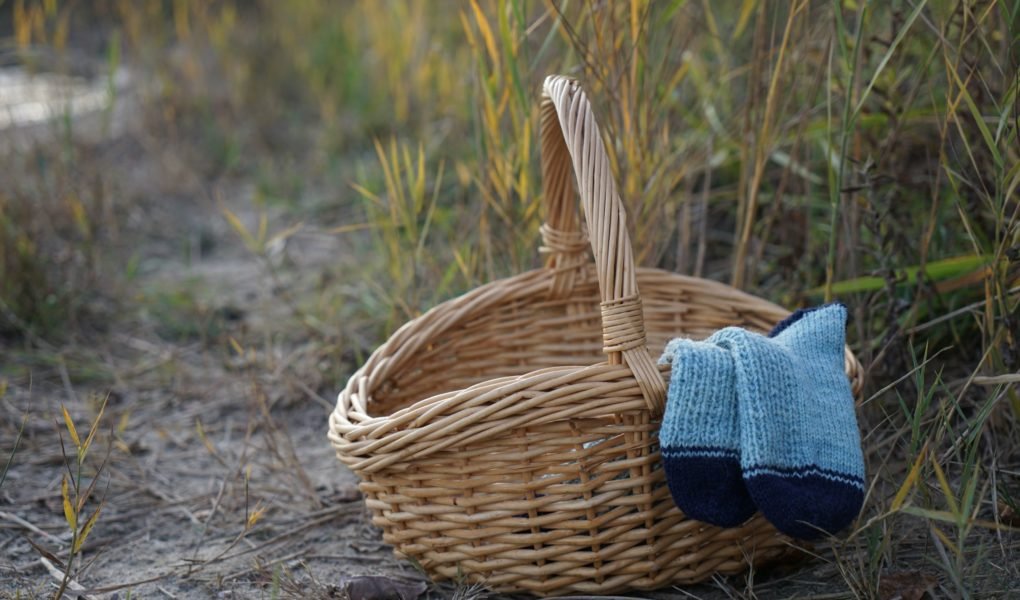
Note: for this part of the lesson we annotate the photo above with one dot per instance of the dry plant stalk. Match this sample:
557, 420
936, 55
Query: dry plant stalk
72, 494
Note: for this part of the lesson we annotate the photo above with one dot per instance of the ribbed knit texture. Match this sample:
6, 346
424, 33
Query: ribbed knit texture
700, 437
767, 422
800, 450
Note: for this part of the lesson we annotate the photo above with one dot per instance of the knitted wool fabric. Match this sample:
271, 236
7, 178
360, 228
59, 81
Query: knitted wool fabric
800, 448
700, 438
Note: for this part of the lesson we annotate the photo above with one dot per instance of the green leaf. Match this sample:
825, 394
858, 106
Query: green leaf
979, 119
904, 28
934, 271
667, 15
931, 515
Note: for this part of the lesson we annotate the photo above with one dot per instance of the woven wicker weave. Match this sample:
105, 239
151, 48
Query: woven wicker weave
508, 436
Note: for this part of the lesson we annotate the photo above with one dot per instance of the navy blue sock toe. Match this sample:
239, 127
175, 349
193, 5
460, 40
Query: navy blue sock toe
800, 447
709, 488
699, 438
807, 505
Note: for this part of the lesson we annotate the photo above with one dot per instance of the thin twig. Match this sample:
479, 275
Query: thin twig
59, 576
26, 525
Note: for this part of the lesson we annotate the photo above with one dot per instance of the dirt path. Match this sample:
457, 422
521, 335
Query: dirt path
219, 480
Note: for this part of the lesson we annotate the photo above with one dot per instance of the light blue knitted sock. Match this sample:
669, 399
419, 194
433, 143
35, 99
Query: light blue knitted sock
699, 437
800, 448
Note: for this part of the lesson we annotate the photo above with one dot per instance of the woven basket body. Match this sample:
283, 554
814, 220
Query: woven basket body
509, 436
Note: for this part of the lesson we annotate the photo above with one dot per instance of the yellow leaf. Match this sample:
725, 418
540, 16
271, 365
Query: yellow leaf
351, 227
3, 387
69, 515
945, 540
286, 233
490, 41
946, 490
255, 515
366, 194
81, 218
205, 439
182, 23
70, 427
122, 423
89, 524
236, 346
241, 230
467, 30
22, 25
263, 229
95, 425
745, 16
61, 32
911, 479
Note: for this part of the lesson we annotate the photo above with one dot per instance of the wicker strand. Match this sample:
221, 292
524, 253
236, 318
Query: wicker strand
562, 224
623, 326
607, 225
558, 241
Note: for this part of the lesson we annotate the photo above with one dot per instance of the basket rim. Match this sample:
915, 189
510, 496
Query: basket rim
356, 434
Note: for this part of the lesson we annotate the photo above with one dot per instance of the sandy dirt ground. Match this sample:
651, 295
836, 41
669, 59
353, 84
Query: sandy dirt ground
218, 479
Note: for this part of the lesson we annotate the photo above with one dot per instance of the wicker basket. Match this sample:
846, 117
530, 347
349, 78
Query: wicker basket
494, 440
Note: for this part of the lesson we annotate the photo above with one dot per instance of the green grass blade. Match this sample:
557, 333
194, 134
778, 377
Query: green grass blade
935, 271
904, 29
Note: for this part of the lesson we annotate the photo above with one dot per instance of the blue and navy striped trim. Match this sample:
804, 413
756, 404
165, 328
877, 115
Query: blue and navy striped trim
804, 471
700, 451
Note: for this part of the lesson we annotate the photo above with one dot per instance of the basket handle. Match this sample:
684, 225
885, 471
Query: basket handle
572, 145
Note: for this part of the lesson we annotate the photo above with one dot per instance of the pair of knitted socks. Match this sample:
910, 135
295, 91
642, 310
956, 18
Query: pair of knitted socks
765, 423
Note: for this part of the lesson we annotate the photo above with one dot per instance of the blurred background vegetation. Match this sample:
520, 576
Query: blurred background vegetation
804, 150
801, 150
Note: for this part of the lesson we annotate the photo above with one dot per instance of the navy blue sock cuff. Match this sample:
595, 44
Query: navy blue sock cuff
799, 314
